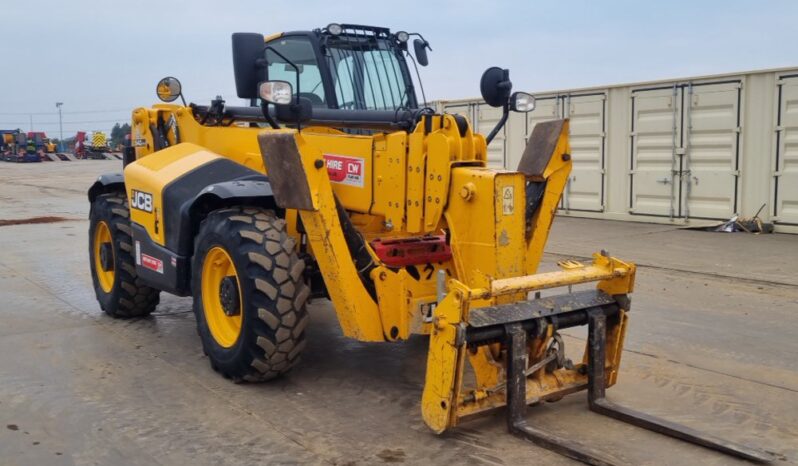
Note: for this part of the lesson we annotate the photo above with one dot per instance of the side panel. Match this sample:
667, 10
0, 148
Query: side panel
146, 179
350, 165
585, 189
656, 135
159, 266
161, 187
711, 141
786, 176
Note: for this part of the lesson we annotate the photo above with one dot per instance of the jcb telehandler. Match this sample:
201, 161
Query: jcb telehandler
337, 182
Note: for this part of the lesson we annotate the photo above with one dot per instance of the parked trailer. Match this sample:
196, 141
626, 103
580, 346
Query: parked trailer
687, 151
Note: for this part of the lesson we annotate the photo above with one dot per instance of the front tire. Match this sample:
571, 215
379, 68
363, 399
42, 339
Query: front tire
119, 291
249, 294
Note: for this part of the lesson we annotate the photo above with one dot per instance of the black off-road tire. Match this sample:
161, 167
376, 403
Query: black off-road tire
128, 297
273, 293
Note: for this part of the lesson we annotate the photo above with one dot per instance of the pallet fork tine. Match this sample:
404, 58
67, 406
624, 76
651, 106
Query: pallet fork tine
516, 406
597, 402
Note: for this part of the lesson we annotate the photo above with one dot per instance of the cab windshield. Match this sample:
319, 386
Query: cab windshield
365, 72
368, 74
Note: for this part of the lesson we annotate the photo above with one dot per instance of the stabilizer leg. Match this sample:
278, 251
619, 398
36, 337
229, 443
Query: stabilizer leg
597, 331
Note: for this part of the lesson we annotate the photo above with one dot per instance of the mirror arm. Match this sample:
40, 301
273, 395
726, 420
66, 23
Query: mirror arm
296, 69
500, 124
265, 109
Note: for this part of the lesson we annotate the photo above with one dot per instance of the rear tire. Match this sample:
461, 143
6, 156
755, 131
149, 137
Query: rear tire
259, 335
119, 291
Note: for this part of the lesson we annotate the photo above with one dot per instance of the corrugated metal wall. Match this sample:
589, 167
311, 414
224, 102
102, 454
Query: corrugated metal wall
684, 151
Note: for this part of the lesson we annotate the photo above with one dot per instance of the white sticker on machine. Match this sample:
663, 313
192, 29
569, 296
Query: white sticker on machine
346, 170
508, 200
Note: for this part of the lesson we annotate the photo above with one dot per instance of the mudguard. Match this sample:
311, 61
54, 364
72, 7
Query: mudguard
106, 183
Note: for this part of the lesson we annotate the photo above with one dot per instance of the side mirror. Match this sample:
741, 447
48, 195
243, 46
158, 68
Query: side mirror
247, 49
169, 89
420, 47
275, 92
495, 86
522, 102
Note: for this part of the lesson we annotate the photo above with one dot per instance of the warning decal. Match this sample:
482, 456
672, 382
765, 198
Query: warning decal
151, 263
345, 170
508, 200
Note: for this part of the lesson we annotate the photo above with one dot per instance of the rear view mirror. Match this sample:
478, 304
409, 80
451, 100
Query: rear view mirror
247, 49
495, 86
275, 92
169, 89
420, 47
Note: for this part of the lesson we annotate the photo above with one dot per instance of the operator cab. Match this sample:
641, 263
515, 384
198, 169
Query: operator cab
344, 76
343, 67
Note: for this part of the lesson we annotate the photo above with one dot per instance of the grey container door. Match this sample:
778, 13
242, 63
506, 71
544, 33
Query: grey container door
585, 188
708, 162
656, 146
786, 175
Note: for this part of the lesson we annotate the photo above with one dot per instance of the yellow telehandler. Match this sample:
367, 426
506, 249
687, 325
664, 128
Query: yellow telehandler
337, 182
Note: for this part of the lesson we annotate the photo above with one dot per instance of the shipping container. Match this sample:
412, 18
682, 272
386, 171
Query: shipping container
691, 151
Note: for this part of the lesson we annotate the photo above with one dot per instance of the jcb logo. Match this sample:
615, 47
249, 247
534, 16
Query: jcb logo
141, 201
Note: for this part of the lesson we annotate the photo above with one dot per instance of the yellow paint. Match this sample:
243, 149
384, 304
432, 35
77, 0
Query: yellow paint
151, 174
390, 162
556, 176
216, 265
102, 235
357, 312
271, 37
444, 362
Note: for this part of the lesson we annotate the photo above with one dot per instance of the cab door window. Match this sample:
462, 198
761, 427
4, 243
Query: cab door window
300, 51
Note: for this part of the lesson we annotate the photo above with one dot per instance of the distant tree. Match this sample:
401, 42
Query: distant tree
125, 131
118, 133
116, 136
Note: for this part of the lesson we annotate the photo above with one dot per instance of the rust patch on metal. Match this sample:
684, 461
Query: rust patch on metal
285, 171
540, 148
32, 220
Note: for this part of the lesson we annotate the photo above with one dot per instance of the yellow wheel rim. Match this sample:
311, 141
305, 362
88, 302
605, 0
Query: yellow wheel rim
218, 268
102, 240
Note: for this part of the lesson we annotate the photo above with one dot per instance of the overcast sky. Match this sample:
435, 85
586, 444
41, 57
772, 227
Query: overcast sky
103, 58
